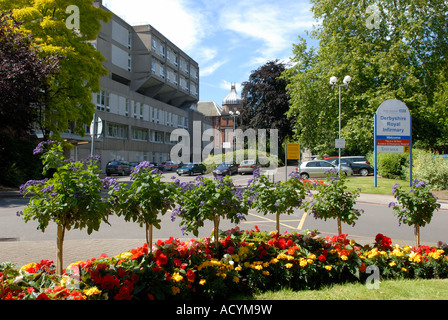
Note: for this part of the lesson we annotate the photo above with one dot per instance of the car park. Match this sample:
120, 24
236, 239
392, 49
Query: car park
360, 168
192, 168
225, 168
248, 166
119, 167
319, 169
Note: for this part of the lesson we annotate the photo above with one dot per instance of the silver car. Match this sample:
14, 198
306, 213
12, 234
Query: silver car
248, 166
319, 169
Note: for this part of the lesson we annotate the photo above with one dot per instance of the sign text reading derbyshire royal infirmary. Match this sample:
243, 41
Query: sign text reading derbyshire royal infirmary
393, 127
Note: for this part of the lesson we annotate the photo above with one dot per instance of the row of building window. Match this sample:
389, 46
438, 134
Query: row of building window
171, 57
130, 108
120, 131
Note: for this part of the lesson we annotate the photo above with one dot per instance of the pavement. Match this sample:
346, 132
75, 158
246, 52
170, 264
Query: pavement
23, 252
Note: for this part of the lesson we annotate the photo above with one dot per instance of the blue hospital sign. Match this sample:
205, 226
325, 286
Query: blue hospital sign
393, 127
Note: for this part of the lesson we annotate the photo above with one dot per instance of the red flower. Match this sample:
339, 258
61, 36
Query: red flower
139, 251
191, 275
109, 282
322, 258
384, 243
43, 296
161, 259
230, 250
124, 293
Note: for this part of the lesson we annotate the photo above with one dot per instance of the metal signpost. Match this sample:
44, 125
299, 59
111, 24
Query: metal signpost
393, 131
96, 128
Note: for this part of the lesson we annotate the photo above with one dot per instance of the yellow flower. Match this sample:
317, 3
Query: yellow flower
288, 265
273, 261
266, 264
344, 257
238, 268
265, 272
124, 255
202, 282
404, 269
91, 291
28, 266
312, 256
177, 277
309, 261
175, 290
257, 267
328, 268
302, 262
236, 279
392, 264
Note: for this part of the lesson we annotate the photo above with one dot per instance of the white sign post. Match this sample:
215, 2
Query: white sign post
393, 131
96, 128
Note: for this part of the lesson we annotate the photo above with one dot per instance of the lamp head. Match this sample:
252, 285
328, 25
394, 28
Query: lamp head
333, 80
347, 80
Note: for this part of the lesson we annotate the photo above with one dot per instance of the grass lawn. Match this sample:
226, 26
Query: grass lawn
367, 184
388, 290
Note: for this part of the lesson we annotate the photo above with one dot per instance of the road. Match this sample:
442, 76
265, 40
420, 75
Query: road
20, 241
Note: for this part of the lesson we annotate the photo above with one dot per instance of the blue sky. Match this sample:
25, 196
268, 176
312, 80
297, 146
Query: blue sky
228, 39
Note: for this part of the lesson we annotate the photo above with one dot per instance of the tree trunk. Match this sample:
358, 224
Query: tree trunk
59, 244
278, 223
149, 236
417, 235
339, 226
216, 230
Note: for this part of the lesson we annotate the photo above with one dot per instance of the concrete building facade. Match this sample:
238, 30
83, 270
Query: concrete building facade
152, 88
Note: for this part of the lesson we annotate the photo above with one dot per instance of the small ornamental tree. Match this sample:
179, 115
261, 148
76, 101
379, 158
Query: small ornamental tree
415, 207
277, 198
207, 199
333, 201
71, 197
146, 197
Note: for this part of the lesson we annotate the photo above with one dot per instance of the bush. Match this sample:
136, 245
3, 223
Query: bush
430, 167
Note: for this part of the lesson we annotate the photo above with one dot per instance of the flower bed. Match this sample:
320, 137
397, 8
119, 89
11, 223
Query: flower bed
245, 262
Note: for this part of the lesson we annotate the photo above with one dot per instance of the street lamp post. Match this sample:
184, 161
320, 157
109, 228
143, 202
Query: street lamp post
346, 81
233, 116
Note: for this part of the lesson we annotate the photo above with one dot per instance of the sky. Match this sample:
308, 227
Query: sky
228, 39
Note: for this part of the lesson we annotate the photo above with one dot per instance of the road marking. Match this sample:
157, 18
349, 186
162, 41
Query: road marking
268, 220
302, 221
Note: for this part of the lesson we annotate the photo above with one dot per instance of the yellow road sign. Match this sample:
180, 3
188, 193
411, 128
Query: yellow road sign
292, 151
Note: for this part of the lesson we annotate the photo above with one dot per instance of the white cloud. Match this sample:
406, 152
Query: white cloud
272, 23
210, 69
175, 19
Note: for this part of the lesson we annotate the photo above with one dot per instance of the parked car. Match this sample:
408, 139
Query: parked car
192, 168
248, 166
134, 163
170, 165
119, 167
225, 168
319, 168
356, 159
357, 167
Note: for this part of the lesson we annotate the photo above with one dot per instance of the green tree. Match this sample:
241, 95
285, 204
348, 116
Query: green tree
395, 49
54, 26
71, 197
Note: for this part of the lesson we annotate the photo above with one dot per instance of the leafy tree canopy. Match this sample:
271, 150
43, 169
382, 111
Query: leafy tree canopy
392, 49
265, 100
54, 26
22, 77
